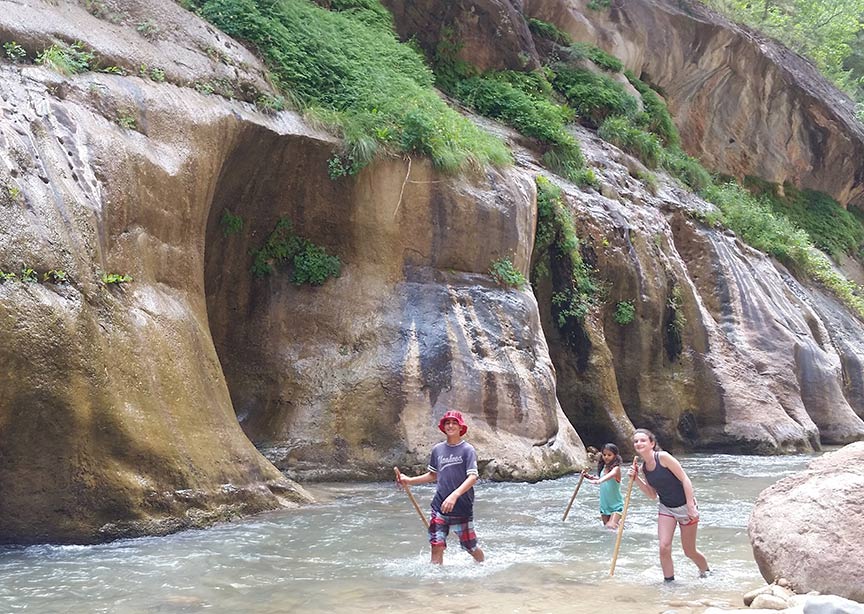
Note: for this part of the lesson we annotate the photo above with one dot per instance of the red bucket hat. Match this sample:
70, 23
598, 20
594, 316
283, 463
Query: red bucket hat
453, 415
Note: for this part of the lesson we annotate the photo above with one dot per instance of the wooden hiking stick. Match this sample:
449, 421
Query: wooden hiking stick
410, 496
621, 524
573, 498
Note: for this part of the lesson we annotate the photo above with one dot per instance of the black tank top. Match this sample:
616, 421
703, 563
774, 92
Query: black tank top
669, 488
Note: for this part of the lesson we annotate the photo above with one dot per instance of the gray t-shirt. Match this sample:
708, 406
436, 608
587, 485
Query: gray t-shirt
453, 464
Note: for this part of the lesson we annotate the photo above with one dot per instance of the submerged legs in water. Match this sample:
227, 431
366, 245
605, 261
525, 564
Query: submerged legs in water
665, 532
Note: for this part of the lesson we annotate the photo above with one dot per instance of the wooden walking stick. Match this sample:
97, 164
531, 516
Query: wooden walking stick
623, 517
410, 496
573, 498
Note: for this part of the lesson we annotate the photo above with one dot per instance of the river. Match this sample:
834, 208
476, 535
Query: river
362, 548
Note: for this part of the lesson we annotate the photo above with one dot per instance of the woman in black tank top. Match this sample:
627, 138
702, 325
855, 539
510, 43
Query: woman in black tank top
664, 478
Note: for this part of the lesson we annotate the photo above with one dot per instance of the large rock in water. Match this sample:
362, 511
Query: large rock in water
115, 419
809, 528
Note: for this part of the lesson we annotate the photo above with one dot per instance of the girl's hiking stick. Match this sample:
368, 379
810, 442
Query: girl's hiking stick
413, 500
573, 498
621, 524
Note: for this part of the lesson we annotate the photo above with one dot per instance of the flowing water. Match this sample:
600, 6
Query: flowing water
362, 548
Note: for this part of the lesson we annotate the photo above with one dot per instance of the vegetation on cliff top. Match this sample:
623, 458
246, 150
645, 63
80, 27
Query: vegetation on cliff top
829, 32
347, 67
790, 228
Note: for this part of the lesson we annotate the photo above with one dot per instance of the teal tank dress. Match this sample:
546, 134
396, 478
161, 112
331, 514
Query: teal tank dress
611, 501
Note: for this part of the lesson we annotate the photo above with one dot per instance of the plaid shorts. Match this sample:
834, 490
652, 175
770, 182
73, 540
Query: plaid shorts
439, 528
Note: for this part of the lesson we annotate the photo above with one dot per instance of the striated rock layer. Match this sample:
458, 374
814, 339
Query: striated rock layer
727, 351
115, 417
346, 380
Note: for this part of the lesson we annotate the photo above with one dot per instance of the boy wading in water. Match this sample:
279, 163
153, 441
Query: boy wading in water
453, 465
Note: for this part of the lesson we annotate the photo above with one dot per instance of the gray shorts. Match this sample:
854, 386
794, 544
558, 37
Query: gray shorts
678, 513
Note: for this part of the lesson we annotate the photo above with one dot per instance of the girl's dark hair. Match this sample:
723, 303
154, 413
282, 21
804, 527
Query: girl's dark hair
615, 461
651, 437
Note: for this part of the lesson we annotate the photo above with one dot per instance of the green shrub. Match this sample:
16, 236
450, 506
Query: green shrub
115, 279
56, 276
587, 178
313, 265
231, 224
271, 104
556, 238
675, 303
506, 275
832, 228
126, 119
14, 51
28, 275
604, 60
686, 168
657, 117
599, 5
754, 220
625, 312
66, 59
7, 276
359, 77
549, 32
310, 263
530, 114
621, 132
369, 12
594, 97
148, 30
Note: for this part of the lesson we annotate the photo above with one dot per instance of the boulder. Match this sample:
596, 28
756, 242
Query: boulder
809, 528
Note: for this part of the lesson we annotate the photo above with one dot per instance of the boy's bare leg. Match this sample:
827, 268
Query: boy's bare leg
478, 555
437, 555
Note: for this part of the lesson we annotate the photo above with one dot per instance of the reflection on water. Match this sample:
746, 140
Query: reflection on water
363, 549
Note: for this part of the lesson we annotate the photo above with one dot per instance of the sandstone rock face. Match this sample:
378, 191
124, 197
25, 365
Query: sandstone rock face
809, 528
488, 34
752, 360
115, 413
348, 379
119, 404
744, 105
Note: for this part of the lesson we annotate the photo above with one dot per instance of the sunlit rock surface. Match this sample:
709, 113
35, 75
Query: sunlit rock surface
809, 528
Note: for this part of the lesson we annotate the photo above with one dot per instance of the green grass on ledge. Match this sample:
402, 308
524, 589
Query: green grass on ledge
348, 69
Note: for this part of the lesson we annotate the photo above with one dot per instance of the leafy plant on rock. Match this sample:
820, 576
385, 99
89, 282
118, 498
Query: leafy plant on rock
310, 263
506, 275
231, 224
625, 312
66, 59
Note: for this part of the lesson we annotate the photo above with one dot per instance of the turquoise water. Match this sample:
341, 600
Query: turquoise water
362, 548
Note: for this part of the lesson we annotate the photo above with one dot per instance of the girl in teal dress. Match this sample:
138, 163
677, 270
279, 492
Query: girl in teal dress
609, 479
